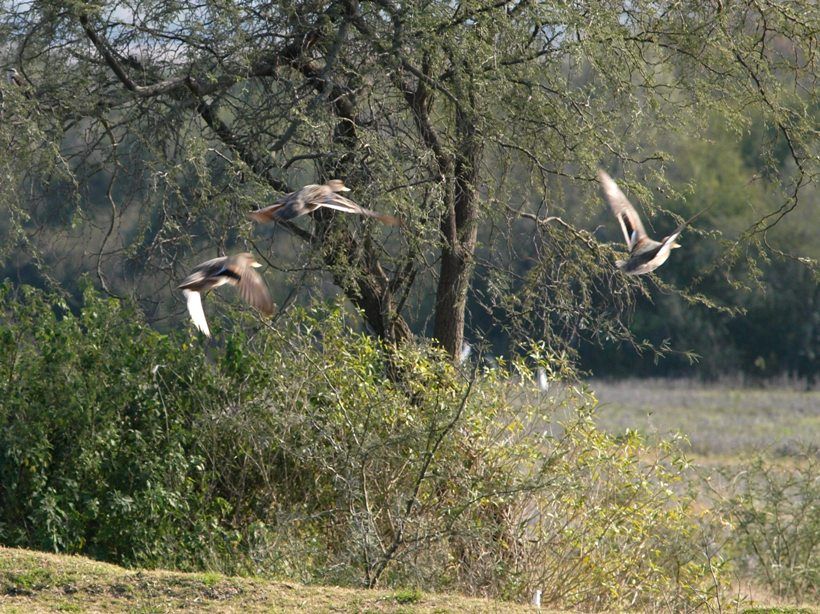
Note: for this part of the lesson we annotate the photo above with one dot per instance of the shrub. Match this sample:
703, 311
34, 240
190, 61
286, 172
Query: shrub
290, 452
774, 516
97, 453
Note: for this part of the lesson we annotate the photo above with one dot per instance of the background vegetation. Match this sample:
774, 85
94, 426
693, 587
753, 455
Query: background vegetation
144, 132
288, 453
341, 441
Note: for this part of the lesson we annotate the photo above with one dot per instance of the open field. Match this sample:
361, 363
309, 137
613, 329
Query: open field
731, 430
34, 582
720, 422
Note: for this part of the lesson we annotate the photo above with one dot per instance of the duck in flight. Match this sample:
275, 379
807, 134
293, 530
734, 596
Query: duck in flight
13, 78
312, 197
645, 254
237, 270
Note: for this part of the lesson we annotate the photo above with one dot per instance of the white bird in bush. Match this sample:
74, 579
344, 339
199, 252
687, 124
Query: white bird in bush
237, 270
541, 379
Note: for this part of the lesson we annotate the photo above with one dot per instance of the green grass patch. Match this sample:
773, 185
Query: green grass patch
211, 579
720, 423
408, 595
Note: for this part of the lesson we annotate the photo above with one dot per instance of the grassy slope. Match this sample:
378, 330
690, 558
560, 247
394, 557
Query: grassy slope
35, 582
32, 582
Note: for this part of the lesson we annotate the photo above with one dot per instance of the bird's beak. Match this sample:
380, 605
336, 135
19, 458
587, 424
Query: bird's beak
255, 264
676, 245
344, 188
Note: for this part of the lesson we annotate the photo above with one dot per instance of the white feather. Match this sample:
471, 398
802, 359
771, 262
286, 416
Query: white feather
340, 207
194, 301
466, 350
543, 382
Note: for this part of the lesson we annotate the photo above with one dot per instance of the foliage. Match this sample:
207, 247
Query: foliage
775, 524
94, 459
146, 130
290, 452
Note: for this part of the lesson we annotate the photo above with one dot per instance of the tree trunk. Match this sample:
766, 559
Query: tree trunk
459, 228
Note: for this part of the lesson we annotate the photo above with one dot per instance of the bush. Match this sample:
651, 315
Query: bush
97, 450
290, 452
774, 516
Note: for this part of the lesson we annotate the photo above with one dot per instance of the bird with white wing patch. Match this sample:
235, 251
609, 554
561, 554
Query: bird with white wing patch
645, 254
236, 270
312, 197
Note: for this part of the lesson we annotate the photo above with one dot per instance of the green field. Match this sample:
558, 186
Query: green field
720, 422
754, 454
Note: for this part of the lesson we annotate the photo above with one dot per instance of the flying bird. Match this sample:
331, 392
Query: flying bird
312, 197
13, 77
236, 270
645, 254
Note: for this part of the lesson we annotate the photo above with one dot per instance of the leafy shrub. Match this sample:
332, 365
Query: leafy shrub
97, 453
775, 524
408, 595
291, 452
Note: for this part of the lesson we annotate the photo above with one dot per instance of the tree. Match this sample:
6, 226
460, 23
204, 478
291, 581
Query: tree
472, 121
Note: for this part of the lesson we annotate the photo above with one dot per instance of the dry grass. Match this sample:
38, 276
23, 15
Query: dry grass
37, 582
33, 582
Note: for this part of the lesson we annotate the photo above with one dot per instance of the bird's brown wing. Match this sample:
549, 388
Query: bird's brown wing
631, 224
340, 203
292, 205
252, 288
201, 277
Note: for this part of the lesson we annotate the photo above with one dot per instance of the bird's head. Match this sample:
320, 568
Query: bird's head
249, 260
337, 185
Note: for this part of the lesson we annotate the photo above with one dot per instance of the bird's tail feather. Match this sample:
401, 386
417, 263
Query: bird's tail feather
270, 213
